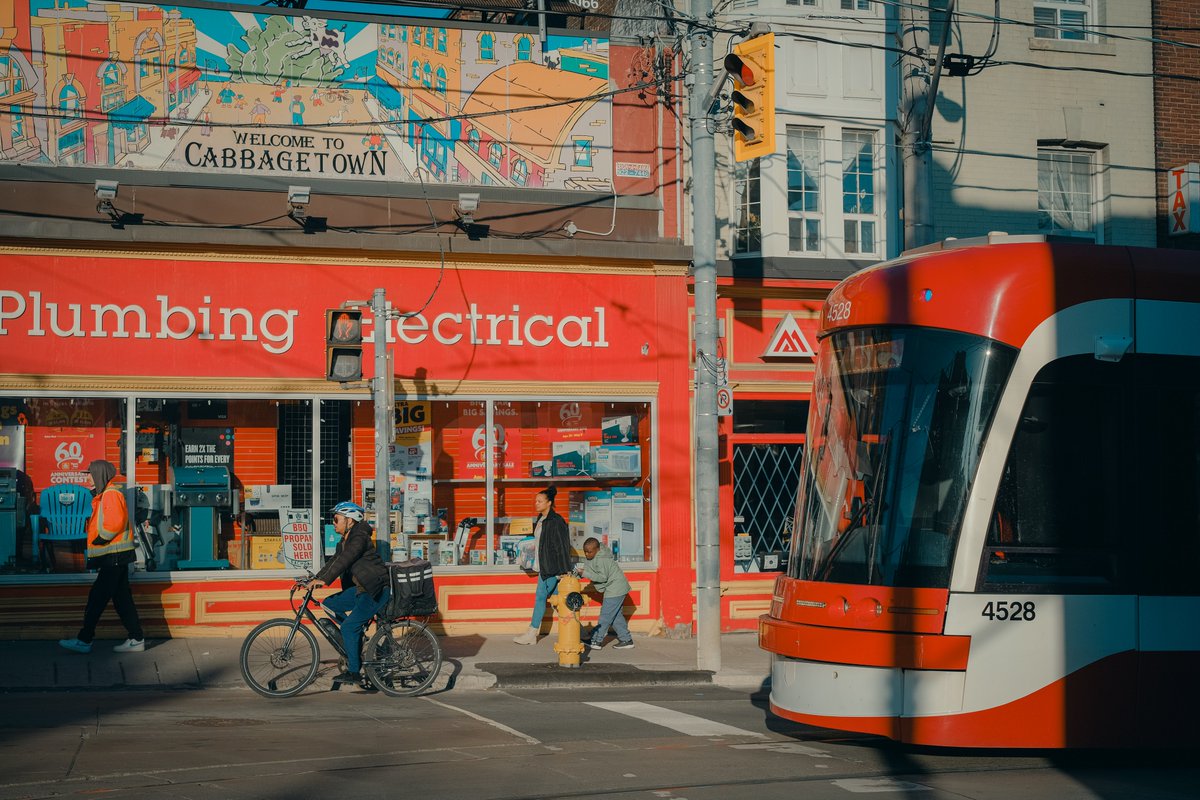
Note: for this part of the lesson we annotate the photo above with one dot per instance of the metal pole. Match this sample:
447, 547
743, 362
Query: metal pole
918, 222
704, 272
383, 419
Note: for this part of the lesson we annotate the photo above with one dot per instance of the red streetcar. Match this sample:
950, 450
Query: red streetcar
997, 532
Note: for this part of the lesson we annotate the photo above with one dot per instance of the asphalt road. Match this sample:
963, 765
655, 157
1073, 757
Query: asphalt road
683, 743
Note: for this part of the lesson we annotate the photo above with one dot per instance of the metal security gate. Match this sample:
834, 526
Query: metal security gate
295, 449
764, 500
765, 448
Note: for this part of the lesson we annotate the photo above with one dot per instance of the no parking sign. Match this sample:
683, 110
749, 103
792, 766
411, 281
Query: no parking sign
724, 401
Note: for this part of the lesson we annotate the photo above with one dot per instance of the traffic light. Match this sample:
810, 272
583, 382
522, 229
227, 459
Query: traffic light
752, 65
343, 344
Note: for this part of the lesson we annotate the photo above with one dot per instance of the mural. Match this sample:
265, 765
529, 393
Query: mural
184, 89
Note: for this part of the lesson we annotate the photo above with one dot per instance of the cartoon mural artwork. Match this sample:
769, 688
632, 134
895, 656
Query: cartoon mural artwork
188, 89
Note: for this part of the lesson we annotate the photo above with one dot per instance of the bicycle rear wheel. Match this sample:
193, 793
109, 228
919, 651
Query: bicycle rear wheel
272, 666
403, 658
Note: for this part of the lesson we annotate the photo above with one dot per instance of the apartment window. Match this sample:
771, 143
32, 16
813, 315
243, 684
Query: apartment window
858, 191
1066, 188
429, 37
856, 5
487, 47
495, 155
427, 79
747, 206
441, 81
441, 40
804, 188
473, 139
1062, 19
806, 3
416, 70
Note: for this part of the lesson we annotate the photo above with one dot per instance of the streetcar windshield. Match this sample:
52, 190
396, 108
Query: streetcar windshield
897, 420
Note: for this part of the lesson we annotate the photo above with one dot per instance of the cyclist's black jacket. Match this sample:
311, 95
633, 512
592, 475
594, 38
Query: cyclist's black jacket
357, 562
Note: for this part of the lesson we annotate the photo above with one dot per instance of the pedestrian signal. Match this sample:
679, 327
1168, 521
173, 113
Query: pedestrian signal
343, 344
752, 66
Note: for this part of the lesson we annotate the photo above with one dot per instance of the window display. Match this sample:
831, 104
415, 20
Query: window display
232, 483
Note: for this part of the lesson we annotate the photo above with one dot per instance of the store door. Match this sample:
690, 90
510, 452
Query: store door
765, 449
295, 448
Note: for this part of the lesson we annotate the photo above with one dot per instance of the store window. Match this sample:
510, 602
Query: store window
462, 490
235, 484
46, 444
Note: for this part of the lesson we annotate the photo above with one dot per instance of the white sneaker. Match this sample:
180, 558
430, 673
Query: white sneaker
528, 637
130, 646
75, 645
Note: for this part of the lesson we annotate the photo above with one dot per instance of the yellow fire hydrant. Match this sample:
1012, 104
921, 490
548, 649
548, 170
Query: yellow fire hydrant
567, 601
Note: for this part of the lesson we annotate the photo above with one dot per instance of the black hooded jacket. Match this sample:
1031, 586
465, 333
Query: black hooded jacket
357, 561
554, 546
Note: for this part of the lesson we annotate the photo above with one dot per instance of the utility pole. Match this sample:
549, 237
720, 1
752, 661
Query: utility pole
915, 109
382, 386
704, 274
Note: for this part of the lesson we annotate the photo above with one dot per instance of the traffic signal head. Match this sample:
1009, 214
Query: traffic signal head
752, 66
343, 344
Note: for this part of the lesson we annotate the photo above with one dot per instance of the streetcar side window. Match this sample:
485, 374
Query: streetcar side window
1165, 536
1062, 508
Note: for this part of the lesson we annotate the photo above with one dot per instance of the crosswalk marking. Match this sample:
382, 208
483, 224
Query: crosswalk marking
675, 720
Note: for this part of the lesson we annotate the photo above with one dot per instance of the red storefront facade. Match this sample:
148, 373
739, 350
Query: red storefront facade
128, 354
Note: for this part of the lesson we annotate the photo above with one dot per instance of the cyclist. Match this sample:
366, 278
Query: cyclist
364, 585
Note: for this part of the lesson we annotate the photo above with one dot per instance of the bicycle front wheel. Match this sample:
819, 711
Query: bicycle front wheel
276, 663
403, 658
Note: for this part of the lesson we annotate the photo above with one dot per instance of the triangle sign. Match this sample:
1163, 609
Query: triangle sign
788, 341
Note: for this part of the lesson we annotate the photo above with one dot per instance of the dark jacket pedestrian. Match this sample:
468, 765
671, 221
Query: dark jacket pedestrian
553, 550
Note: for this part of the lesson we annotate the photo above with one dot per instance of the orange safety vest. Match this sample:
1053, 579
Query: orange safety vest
108, 529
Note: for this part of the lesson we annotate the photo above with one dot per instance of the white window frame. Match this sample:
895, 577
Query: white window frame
1049, 210
1070, 23
747, 209
805, 217
859, 219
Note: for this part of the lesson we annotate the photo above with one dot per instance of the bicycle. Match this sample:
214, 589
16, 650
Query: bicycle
281, 657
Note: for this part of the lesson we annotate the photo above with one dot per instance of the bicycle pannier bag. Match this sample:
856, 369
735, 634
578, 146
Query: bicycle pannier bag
413, 594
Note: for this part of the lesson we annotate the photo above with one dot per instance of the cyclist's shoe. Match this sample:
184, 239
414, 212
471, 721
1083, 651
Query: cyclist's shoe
366, 685
348, 677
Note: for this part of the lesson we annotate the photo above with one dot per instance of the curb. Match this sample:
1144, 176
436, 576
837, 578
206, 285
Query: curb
552, 676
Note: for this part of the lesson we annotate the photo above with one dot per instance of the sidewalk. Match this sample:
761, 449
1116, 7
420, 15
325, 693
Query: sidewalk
471, 662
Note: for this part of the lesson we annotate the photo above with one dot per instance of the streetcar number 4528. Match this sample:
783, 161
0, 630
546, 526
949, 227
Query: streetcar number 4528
1012, 611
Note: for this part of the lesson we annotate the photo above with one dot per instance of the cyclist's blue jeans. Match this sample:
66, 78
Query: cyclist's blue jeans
353, 610
545, 588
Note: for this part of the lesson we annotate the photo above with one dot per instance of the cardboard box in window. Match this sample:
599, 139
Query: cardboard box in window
614, 460
265, 552
570, 458
265, 498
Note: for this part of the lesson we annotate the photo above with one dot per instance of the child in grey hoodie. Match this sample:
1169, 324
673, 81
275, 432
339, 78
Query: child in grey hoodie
606, 575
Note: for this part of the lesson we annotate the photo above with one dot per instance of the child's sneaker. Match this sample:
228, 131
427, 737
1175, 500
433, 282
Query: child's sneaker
623, 645
75, 645
130, 646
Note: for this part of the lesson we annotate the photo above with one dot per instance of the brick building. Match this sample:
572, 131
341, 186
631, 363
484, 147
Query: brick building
1176, 108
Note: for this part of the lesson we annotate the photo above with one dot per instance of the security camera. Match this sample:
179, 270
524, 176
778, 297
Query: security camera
106, 190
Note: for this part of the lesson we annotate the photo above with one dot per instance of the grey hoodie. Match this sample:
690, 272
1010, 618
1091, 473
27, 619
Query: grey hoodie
605, 574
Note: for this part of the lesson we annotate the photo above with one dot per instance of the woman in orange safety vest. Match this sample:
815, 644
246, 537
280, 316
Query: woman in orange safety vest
109, 552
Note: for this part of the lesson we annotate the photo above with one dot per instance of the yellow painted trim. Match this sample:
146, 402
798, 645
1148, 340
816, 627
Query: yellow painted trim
748, 609
306, 388
456, 261
739, 588
174, 605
